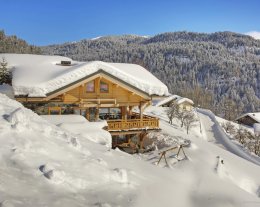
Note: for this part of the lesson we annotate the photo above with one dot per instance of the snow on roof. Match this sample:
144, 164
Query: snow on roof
38, 75
255, 116
177, 99
166, 100
182, 100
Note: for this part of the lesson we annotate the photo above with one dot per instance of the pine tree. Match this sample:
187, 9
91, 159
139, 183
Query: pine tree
5, 75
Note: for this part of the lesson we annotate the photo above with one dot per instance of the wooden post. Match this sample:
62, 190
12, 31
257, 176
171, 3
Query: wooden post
97, 114
124, 112
141, 111
130, 112
128, 138
163, 155
181, 148
142, 136
87, 114
108, 113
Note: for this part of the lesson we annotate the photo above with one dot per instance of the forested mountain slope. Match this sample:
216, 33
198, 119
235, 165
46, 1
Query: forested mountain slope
219, 71
12, 44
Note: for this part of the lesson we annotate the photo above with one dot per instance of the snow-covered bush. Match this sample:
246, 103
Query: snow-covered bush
189, 120
228, 127
243, 136
5, 74
158, 140
172, 112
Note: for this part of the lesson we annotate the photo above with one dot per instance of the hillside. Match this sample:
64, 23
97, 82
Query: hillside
60, 168
13, 44
219, 71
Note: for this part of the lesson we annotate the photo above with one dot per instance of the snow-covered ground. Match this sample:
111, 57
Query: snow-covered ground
7, 90
44, 164
80, 126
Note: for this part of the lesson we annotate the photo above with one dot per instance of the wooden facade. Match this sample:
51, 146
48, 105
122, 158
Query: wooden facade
186, 106
246, 120
102, 91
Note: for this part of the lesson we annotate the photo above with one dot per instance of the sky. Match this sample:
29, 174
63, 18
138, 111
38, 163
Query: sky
44, 22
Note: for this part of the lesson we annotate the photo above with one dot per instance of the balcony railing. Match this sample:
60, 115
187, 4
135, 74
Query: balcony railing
133, 124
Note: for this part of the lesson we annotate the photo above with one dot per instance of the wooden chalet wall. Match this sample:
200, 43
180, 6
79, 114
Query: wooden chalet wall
186, 106
116, 94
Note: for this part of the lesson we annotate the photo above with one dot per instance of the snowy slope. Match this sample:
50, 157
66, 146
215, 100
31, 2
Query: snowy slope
43, 165
214, 132
38, 75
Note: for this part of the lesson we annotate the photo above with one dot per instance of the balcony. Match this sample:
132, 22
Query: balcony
148, 123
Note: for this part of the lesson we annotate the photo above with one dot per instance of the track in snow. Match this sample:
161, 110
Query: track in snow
214, 132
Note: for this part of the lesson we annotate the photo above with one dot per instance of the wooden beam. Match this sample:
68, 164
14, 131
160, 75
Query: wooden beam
102, 105
98, 100
80, 92
30, 99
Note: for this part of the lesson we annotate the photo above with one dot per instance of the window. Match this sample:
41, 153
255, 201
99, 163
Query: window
103, 87
91, 86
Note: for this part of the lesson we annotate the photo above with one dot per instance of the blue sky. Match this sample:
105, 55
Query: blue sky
43, 22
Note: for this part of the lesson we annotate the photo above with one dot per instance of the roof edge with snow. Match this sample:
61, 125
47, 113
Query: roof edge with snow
251, 115
175, 98
39, 75
100, 71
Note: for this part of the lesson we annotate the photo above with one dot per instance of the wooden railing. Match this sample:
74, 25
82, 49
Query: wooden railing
133, 124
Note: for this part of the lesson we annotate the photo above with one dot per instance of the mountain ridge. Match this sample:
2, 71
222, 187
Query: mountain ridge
216, 70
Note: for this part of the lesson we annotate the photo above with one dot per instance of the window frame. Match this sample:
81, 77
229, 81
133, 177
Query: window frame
104, 82
93, 87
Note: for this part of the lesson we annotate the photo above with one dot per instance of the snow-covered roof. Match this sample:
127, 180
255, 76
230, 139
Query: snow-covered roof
38, 75
167, 100
255, 116
181, 100
177, 99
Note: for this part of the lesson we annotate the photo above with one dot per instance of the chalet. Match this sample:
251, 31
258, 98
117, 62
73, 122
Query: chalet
184, 104
96, 90
249, 119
